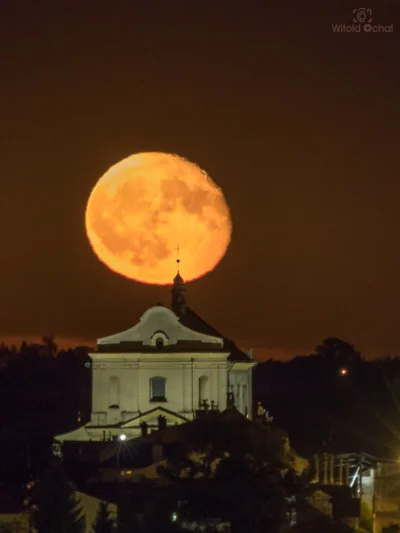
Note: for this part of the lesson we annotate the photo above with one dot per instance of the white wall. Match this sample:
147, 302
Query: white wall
182, 371
182, 385
240, 382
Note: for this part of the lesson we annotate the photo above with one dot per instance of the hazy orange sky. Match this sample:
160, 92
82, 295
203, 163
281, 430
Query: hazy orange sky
297, 124
260, 354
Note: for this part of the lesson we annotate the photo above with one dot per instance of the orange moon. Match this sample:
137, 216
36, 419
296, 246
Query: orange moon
147, 205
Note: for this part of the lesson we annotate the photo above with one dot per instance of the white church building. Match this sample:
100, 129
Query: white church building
170, 365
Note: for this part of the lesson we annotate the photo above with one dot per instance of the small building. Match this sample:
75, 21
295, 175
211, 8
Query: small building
168, 365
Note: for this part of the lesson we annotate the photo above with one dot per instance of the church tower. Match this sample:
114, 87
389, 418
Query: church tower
178, 294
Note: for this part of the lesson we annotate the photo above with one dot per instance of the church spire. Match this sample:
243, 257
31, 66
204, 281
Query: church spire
177, 259
178, 291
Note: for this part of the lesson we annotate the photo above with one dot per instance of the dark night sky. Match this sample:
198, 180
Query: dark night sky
299, 125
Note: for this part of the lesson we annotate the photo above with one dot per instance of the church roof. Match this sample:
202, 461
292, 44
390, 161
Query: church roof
179, 328
181, 346
193, 321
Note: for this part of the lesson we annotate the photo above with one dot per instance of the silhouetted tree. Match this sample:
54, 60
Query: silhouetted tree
127, 520
34, 382
231, 477
56, 507
50, 345
341, 352
158, 513
104, 523
257, 491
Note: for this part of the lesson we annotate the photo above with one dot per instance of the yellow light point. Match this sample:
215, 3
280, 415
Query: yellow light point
344, 371
146, 205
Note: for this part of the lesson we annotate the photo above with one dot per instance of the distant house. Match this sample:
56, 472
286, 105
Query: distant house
383, 487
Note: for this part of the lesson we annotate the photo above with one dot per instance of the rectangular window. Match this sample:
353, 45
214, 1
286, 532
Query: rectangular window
244, 398
157, 389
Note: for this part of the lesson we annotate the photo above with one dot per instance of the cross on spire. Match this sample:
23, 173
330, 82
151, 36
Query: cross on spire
177, 259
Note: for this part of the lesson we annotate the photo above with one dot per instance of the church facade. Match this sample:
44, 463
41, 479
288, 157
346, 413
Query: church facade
168, 366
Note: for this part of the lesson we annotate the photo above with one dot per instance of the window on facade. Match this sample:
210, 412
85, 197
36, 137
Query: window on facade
157, 389
203, 390
113, 392
159, 339
159, 343
244, 398
237, 396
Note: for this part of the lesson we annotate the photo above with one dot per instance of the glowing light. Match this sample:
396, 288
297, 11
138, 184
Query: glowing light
147, 205
122, 437
174, 517
344, 371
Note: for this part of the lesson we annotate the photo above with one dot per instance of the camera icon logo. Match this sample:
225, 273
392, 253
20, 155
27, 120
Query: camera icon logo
362, 15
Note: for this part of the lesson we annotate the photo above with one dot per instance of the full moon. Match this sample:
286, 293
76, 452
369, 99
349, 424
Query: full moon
150, 207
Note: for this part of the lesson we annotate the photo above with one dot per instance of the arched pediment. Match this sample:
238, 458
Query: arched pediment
157, 322
159, 310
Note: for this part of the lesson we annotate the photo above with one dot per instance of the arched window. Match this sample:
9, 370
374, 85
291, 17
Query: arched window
113, 391
159, 339
159, 343
158, 389
203, 389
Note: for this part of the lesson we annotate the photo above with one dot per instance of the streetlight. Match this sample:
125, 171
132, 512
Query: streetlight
122, 438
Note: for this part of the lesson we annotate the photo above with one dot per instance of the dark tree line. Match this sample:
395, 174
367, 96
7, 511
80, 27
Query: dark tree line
43, 391
55, 507
41, 384
334, 399
244, 491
